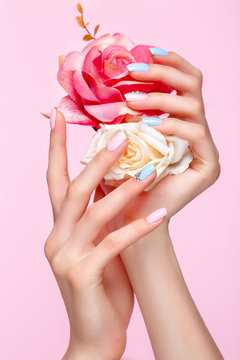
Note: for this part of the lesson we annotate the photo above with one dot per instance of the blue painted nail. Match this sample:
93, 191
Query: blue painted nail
158, 51
138, 67
145, 172
151, 120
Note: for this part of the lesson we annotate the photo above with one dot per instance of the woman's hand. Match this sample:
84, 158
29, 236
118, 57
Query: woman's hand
83, 254
174, 325
187, 120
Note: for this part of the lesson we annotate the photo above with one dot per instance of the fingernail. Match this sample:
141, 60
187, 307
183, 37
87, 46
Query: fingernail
138, 67
158, 51
145, 172
135, 95
156, 215
151, 120
116, 141
164, 116
52, 118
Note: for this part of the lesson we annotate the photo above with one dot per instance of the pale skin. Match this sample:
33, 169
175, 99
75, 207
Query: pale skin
93, 280
83, 253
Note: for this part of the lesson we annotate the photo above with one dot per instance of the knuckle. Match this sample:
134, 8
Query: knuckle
212, 174
57, 264
195, 84
215, 171
201, 132
49, 248
196, 107
74, 190
199, 76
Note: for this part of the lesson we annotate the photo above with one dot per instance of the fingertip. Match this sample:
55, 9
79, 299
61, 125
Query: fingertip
60, 119
52, 119
157, 216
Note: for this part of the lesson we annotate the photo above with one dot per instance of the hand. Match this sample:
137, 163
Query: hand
82, 253
187, 120
174, 325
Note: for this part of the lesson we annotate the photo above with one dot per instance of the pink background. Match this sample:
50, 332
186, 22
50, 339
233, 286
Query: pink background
33, 322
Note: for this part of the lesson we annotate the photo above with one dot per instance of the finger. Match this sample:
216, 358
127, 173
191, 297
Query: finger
198, 135
120, 239
184, 83
57, 172
101, 212
81, 188
176, 105
178, 62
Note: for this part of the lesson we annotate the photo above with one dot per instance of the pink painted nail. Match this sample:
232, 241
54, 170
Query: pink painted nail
135, 95
116, 141
164, 116
157, 215
52, 118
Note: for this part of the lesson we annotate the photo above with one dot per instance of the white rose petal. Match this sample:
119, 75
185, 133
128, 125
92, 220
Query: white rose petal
170, 154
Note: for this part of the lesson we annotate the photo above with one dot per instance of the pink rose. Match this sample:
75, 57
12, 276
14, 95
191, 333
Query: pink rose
96, 80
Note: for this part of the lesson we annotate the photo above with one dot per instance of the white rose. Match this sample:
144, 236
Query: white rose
169, 154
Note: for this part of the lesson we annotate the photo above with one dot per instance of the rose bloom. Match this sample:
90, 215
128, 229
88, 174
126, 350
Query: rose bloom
96, 80
169, 154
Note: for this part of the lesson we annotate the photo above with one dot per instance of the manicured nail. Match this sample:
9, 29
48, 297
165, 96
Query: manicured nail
138, 67
158, 51
164, 116
151, 120
145, 172
52, 118
116, 141
156, 215
135, 96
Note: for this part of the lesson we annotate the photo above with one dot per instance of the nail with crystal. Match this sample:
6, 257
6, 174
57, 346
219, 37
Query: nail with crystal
145, 172
135, 96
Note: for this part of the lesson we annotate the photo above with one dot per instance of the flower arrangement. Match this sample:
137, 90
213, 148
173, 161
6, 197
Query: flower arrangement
96, 80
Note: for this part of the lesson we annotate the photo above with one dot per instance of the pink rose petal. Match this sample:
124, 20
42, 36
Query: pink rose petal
141, 53
108, 112
73, 114
103, 93
90, 62
82, 87
128, 86
73, 61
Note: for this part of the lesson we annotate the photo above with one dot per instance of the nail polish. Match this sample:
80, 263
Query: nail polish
164, 116
145, 172
158, 51
156, 215
116, 141
135, 96
151, 120
52, 118
138, 67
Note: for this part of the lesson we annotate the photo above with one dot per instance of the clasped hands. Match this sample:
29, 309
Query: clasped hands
84, 245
